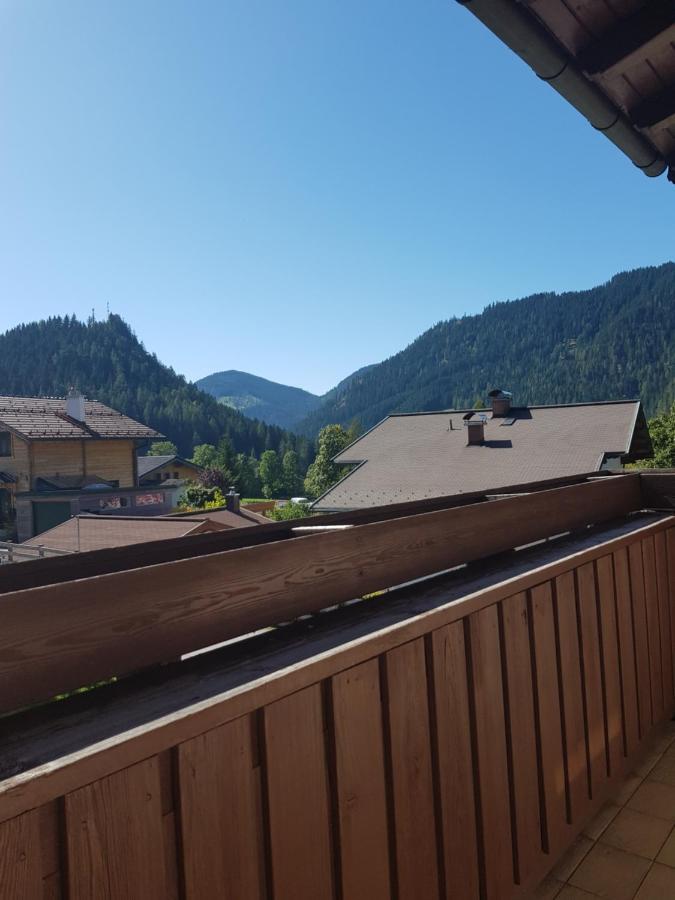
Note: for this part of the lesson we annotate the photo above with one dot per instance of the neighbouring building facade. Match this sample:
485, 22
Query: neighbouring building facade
62, 457
157, 469
413, 456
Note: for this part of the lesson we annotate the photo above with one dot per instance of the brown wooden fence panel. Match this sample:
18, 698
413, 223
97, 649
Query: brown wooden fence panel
361, 783
220, 796
450, 761
455, 762
115, 837
491, 752
300, 822
590, 655
576, 751
411, 772
642, 661
552, 772
521, 724
21, 864
627, 661
610, 665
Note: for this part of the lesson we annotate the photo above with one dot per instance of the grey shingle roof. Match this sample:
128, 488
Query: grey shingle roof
410, 457
45, 419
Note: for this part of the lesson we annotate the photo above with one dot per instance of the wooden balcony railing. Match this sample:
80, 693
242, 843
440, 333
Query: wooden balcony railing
455, 752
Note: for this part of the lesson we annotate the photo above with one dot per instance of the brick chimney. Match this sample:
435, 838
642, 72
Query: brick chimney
501, 402
75, 405
232, 499
475, 429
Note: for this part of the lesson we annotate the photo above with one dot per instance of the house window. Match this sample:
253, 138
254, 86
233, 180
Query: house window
5, 443
176, 475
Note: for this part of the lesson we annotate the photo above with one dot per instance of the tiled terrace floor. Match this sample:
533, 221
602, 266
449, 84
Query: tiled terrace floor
628, 850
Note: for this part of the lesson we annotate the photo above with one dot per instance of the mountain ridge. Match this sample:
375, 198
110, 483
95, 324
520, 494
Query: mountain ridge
610, 342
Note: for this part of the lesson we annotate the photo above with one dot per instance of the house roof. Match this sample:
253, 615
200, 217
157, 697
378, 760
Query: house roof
228, 519
413, 456
614, 62
44, 418
148, 464
91, 532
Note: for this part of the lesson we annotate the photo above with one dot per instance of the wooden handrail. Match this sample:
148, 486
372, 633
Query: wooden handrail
57, 638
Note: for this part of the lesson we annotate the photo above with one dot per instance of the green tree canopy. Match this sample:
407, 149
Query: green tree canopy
163, 448
323, 473
292, 478
662, 431
271, 474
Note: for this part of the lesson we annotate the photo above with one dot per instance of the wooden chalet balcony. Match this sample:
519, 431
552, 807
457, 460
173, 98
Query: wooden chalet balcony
449, 736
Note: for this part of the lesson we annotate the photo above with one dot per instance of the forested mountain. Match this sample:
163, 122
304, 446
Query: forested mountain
107, 362
277, 404
612, 342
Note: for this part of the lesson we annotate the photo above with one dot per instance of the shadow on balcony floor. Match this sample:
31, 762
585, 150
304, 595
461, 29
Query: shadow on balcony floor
628, 850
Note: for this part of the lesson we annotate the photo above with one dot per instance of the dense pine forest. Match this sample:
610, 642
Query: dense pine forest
612, 342
107, 362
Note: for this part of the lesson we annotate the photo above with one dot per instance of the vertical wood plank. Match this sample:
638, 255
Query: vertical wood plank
661, 552
572, 696
455, 763
412, 779
548, 711
590, 655
522, 734
361, 788
610, 663
670, 558
637, 586
115, 837
653, 627
493, 775
20, 858
627, 663
220, 814
298, 797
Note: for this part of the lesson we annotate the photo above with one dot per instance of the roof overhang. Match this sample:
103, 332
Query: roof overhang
614, 64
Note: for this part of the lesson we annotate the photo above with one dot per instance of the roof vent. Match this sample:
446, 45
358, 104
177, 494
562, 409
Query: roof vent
475, 429
75, 405
500, 401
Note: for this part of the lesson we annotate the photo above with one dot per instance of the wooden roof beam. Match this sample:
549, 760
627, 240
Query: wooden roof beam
657, 111
651, 27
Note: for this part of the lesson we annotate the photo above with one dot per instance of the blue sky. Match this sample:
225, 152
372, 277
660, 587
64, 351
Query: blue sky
295, 189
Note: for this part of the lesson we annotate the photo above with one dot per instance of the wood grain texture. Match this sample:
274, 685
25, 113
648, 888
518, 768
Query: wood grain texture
21, 866
653, 626
491, 752
627, 662
548, 710
361, 788
670, 556
221, 814
22, 792
455, 763
642, 662
522, 734
59, 637
576, 751
592, 675
665, 619
610, 663
115, 837
298, 797
411, 772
